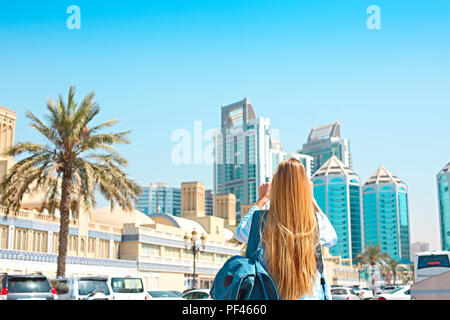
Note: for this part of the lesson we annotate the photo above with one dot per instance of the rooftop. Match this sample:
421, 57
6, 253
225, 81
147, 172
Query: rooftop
383, 175
236, 113
446, 168
275, 144
118, 216
325, 131
334, 166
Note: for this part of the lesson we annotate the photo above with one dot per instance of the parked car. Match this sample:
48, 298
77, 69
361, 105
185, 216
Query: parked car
357, 289
26, 287
178, 293
163, 295
128, 288
401, 293
197, 294
343, 293
82, 288
365, 294
389, 288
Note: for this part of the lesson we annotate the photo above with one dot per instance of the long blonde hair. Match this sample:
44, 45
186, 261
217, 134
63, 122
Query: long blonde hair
290, 232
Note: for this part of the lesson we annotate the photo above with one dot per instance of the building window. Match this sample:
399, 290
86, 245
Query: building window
206, 256
116, 250
39, 241
103, 248
172, 252
20, 239
82, 245
55, 242
3, 237
150, 249
91, 245
73, 243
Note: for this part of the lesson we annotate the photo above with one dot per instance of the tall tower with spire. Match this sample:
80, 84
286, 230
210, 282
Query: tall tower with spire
337, 190
386, 214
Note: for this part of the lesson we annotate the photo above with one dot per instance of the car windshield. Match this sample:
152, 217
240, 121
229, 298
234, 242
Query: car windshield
338, 291
127, 285
163, 294
61, 286
394, 290
87, 286
25, 285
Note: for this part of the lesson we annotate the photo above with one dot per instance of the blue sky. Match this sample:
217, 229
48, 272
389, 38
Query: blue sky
161, 65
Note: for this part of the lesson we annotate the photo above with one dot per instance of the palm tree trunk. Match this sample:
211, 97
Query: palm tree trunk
374, 291
64, 209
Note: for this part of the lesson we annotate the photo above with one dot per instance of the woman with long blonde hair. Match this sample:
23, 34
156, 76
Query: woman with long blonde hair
293, 228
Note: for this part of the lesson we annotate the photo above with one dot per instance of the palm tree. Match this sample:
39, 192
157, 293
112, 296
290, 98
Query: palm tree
373, 255
411, 272
75, 162
393, 268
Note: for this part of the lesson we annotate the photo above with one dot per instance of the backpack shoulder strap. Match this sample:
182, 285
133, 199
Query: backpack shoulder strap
256, 229
318, 249
320, 259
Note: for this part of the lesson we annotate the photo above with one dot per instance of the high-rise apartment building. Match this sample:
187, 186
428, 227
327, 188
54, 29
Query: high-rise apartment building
337, 190
386, 214
278, 155
209, 202
159, 197
326, 141
242, 153
442, 179
417, 247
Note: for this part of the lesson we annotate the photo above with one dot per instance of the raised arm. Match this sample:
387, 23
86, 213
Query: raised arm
243, 229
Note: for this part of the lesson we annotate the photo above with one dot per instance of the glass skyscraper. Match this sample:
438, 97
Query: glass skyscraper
337, 190
209, 203
386, 214
324, 142
443, 178
278, 155
159, 197
242, 153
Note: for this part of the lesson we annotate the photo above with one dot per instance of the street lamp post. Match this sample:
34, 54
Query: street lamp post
192, 240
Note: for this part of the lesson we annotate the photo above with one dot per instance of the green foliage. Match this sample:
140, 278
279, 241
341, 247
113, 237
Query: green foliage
76, 161
74, 148
373, 255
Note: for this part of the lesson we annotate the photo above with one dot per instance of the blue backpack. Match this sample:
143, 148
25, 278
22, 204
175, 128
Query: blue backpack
244, 278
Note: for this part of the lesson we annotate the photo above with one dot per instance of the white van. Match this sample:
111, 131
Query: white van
82, 288
431, 263
128, 288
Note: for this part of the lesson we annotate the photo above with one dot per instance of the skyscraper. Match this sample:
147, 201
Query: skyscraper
278, 155
337, 190
159, 197
324, 142
242, 153
443, 178
418, 247
209, 202
386, 216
